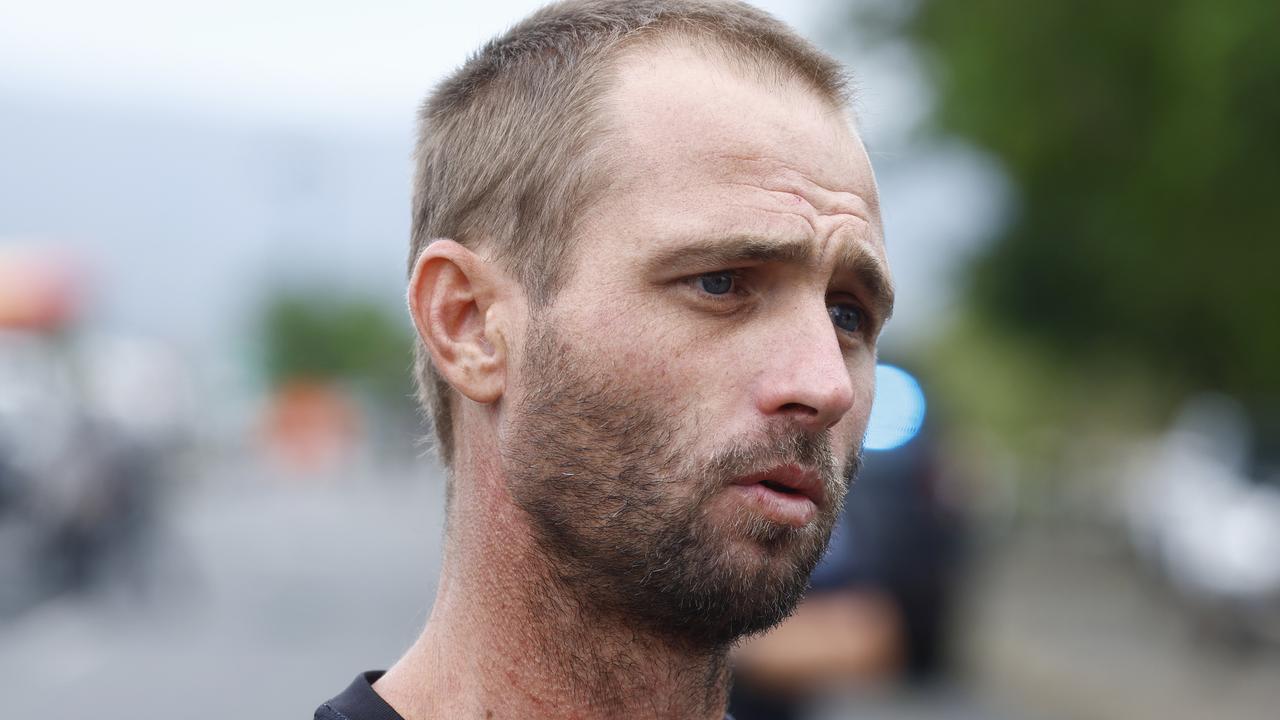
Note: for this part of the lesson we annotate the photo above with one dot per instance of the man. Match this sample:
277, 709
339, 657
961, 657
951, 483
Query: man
648, 276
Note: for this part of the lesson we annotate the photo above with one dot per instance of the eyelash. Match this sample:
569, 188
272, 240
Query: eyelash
737, 292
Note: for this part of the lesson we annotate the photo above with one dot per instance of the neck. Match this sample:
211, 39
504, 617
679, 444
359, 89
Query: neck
508, 639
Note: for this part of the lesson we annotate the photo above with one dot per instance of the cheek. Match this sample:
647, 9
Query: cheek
643, 351
849, 432
854, 423
687, 385
668, 375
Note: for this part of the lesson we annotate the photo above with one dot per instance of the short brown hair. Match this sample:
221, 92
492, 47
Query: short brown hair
509, 144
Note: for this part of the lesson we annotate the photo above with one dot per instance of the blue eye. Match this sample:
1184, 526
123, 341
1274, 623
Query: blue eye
846, 317
716, 283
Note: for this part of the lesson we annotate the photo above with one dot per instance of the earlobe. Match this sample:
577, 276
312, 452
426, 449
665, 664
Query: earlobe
453, 297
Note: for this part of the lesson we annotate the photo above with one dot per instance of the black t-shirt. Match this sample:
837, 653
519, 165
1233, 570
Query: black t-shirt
360, 702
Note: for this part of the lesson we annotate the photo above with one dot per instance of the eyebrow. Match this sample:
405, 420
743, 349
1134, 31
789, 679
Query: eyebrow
726, 252
872, 276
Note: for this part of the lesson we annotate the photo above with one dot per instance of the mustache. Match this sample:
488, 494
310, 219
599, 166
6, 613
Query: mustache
781, 446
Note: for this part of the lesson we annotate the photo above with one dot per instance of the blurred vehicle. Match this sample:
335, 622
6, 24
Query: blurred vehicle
1202, 508
87, 426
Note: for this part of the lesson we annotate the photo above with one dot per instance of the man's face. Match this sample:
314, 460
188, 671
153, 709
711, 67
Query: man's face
686, 410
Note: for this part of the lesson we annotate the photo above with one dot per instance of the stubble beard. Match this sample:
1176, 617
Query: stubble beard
618, 506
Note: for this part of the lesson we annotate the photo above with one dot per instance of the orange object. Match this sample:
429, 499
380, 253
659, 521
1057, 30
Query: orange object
311, 426
38, 289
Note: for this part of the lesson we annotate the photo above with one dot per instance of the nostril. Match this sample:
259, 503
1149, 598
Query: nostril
798, 409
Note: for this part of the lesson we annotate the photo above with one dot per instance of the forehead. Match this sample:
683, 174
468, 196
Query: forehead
685, 120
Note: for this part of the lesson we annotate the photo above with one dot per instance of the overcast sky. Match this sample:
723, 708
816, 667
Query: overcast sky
360, 63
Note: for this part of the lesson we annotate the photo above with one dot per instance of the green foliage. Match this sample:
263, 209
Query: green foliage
1143, 142
312, 334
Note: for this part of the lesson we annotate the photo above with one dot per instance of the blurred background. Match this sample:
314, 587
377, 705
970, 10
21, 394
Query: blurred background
212, 491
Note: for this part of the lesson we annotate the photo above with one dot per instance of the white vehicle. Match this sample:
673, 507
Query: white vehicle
1205, 511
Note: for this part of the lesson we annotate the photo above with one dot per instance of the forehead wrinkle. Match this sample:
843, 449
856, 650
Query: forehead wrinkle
831, 202
791, 205
810, 222
778, 176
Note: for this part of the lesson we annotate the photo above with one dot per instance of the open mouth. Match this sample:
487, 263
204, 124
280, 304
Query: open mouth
788, 494
780, 488
791, 481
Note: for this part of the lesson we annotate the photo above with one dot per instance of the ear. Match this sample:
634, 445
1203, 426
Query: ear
453, 299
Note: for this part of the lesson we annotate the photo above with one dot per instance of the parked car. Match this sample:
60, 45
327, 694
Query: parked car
1203, 510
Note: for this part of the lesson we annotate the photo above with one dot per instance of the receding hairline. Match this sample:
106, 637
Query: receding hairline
781, 57
828, 81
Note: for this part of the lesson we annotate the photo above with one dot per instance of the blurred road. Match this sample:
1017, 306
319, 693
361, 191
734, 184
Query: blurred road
264, 599
1062, 623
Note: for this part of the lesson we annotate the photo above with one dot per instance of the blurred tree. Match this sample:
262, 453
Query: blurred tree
1142, 140
315, 335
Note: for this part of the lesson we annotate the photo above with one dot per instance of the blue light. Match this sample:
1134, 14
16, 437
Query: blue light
898, 410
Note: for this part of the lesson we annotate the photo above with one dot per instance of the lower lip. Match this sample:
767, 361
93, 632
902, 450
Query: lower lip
783, 508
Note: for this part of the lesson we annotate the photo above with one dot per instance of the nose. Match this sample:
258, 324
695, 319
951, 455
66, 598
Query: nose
806, 377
